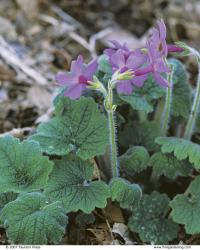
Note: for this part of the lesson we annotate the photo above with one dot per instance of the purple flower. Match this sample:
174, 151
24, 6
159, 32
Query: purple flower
116, 46
133, 61
157, 53
157, 40
77, 79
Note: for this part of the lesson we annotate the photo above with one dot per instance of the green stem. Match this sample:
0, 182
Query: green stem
113, 146
195, 108
167, 108
142, 116
110, 108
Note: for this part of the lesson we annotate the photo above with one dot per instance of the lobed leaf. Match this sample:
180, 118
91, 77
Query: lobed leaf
78, 126
70, 182
127, 194
181, 148
148, 219
30, 220
22, 165
134, 160
169, 166
186, 207
5, 198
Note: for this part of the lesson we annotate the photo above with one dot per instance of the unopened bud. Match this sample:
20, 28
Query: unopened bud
187, 50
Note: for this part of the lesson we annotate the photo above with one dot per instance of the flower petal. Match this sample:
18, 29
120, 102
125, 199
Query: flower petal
75, 92
90, 69
116, 45
109, 52
124, 87
160, 66
136, 59
138, 81
66, 79
160, 80
77, 65
162, 29
118, 59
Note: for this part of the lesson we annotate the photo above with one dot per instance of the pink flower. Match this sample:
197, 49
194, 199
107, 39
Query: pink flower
124, 60
116, 46
77, 79
157, 52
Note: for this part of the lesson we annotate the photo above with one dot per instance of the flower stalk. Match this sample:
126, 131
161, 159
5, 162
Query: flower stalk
167, 108
110, 108
195, 106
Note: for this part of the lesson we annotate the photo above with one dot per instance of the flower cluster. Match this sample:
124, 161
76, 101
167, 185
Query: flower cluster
140, 62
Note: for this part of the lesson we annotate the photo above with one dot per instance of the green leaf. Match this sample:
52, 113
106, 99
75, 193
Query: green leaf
104, 65
142, 98
169, 166
6, 198
140, 134
181, 99
186, 207
134, 160
181, 148
23, 167
148, 219
127, 194
70, 182
30, 220
78, 126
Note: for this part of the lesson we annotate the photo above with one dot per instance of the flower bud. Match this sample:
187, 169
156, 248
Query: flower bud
187, 50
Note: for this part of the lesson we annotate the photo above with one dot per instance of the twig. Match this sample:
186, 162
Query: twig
8, 54
66, 17
92, 41
89, 45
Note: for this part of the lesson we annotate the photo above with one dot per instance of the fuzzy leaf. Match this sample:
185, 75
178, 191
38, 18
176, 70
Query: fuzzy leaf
148, 219
181, 148
23, 167
140, 134
6, 198
134, 160
169, 166
127, 194
186, 207
142, 98
31, 220
181, 99
70, 182
78, 126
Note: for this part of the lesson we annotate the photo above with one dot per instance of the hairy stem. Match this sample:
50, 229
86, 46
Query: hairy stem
110, 108
113, 146
167, 107
195, 108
